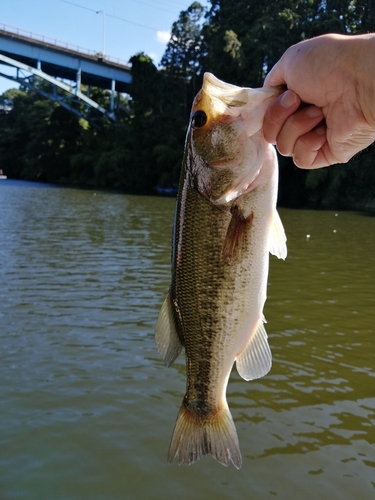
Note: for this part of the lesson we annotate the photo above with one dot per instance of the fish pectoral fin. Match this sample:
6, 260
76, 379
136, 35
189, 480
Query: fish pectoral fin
166, 337
236, 231
277, 238
256, 359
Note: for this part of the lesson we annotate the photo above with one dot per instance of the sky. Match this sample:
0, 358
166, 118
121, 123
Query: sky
128, 26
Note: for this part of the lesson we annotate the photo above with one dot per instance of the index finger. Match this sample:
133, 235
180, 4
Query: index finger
277, 113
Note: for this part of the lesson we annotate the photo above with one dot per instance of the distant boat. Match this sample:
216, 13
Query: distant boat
169, 191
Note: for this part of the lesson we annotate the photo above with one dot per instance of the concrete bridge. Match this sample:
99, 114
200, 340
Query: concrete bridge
57, 62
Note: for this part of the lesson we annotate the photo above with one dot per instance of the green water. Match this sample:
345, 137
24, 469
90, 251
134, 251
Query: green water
86, 406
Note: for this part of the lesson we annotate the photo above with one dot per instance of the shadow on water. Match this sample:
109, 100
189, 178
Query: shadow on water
88, 407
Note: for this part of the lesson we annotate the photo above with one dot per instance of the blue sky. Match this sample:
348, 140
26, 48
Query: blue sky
130, 26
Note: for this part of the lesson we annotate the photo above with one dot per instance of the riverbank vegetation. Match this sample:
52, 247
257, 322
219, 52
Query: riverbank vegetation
237, 41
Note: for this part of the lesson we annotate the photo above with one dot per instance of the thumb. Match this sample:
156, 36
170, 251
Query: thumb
275, 76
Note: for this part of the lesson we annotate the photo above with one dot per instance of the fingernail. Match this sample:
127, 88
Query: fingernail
320, 130
288, 99
313, 111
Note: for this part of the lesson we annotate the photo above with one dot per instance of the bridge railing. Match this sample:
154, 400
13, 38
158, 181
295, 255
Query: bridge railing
59, 43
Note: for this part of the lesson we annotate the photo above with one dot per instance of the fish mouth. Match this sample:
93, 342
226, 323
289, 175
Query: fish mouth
229, 94
234, 149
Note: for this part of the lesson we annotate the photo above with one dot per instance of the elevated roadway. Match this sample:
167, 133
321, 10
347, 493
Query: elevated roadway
64, 66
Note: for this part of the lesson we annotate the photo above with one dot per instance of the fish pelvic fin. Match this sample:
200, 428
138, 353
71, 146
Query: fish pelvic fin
277, 241
166, 337
255, 360
214, 434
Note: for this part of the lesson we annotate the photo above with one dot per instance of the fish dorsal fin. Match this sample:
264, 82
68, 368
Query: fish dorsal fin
277, 238
256, 359
236, 231
166, 337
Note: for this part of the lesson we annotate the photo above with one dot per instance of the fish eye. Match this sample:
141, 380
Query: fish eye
198, 119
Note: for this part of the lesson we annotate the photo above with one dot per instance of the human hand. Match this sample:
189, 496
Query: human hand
335, 75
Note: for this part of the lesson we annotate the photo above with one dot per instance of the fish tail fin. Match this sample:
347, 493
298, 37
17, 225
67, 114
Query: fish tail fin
195, 436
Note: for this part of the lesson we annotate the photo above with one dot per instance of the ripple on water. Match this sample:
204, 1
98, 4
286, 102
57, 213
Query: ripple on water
88, 407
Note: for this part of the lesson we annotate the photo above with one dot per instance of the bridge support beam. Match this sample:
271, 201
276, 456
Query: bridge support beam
73, 92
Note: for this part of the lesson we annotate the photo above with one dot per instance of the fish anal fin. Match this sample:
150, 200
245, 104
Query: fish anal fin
255, 360
166, 337
277, 238
236, 231
214, 434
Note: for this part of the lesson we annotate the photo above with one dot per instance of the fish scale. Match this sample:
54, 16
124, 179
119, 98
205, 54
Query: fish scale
225, 225
198, 302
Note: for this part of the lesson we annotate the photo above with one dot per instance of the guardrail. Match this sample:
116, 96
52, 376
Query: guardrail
59, 43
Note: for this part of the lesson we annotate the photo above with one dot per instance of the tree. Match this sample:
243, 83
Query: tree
157, 125
246, 37
237, 41
186, 49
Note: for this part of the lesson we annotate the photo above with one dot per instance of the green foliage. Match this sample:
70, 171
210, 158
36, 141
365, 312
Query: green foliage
186, 48
350, 185
237, 41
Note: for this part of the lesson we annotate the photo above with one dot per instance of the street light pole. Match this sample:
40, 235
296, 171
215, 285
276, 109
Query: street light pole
104, 22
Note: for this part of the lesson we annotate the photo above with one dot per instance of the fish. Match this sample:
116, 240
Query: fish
226, 224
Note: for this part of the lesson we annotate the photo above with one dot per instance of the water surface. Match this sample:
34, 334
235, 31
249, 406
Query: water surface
87, 407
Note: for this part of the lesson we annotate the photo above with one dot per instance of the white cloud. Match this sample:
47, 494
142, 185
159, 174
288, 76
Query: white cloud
163, 36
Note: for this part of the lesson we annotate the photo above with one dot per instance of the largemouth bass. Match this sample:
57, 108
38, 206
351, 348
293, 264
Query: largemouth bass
226, 224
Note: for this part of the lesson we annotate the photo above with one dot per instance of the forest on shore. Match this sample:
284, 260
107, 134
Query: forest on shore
238, 42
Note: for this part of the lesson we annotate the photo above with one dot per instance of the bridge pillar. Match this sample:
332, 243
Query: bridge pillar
113, 87
78, 81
